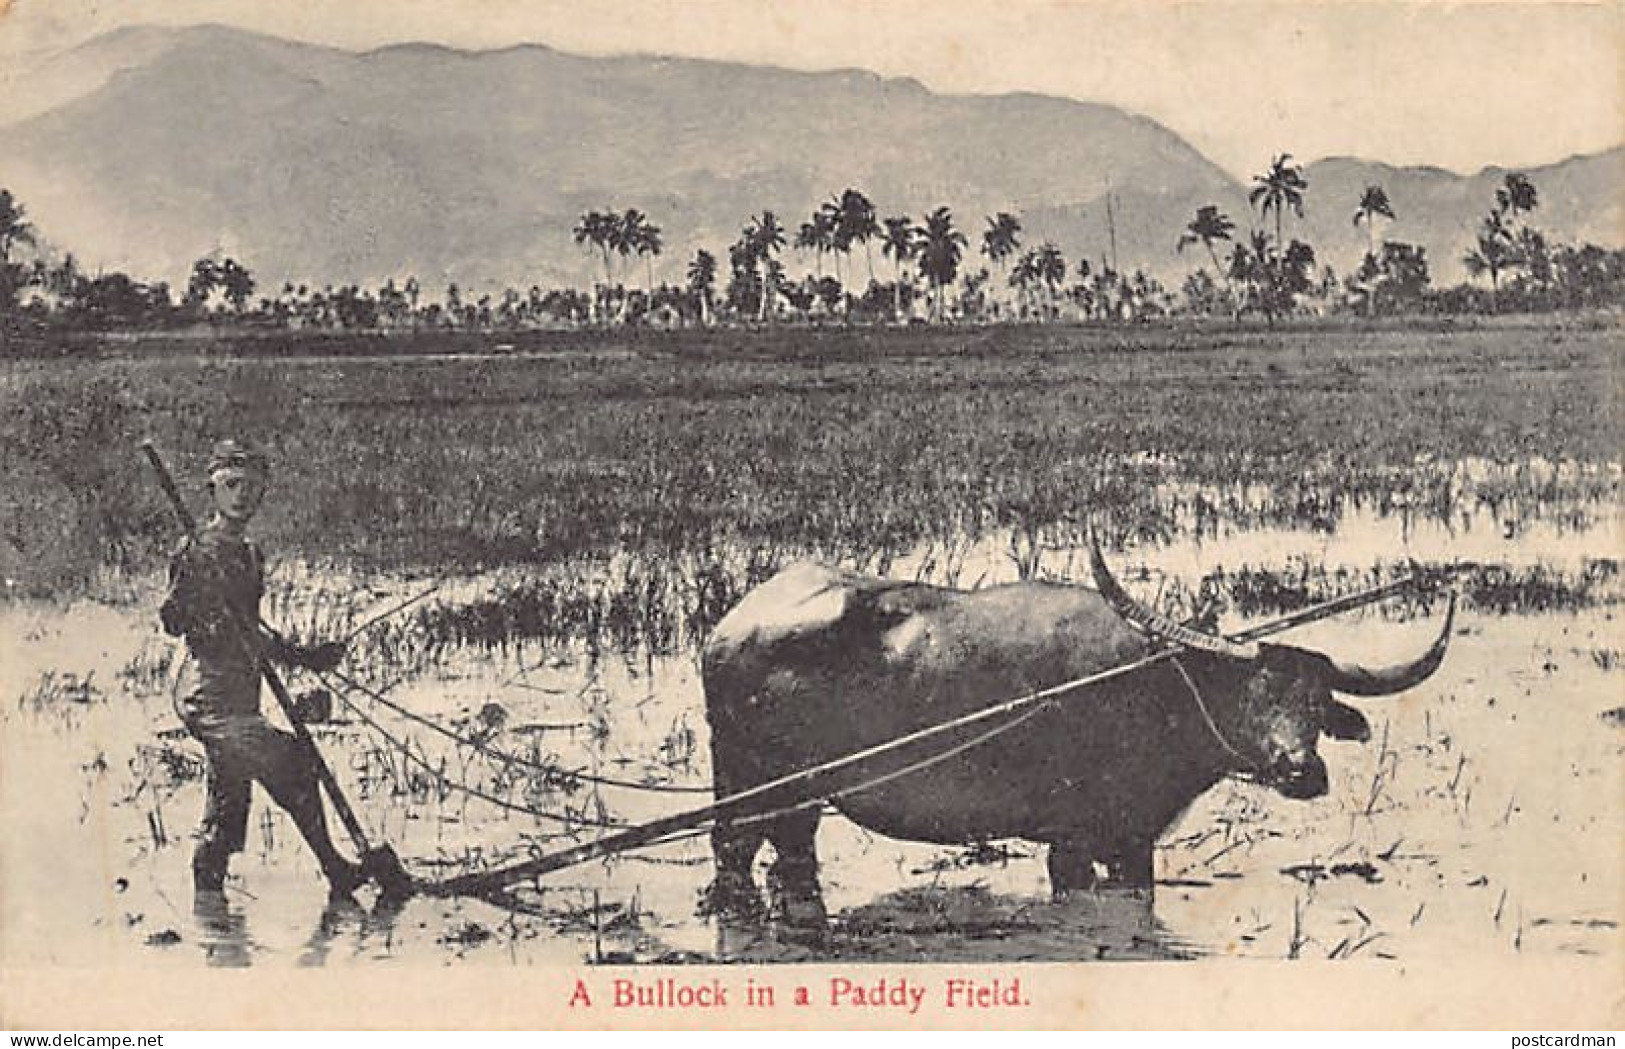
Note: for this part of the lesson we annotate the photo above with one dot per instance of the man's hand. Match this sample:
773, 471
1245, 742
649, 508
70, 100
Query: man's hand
323, 658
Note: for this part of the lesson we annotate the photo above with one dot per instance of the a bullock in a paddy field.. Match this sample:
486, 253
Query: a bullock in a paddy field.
818, 663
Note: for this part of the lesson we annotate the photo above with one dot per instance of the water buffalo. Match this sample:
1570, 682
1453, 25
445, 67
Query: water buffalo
819, 663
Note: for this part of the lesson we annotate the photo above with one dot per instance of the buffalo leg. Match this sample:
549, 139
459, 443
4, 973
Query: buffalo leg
793, 882
733, 849
1078, 866
1130, 866
733, 890
1071, 868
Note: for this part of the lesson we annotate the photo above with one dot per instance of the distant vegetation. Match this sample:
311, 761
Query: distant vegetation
931, 277
857, 444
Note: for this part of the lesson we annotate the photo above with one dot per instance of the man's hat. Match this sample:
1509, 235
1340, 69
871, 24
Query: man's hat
228, 454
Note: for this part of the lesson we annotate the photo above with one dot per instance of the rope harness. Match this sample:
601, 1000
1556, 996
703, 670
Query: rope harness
1207, 717
482, 747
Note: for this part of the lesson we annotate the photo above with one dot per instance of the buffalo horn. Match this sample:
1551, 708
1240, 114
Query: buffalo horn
1159, 625
1355, 680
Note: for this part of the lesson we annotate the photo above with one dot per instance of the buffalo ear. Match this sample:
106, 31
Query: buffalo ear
1341, 721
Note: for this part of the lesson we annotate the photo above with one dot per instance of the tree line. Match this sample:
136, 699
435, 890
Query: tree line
1262, 272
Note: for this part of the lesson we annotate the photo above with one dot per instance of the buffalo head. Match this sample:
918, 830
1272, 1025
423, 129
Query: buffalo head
1268, 705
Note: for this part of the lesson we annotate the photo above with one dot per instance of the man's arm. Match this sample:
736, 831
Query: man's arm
320, 658
191, 608
195, 609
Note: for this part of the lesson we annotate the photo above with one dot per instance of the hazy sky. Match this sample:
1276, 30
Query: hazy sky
1460, 86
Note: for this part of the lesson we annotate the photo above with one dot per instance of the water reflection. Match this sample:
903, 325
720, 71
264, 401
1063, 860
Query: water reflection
346, 921
949, 925
341, 918
222, 931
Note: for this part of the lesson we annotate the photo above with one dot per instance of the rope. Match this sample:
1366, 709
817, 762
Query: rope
868, 784
487, 885
441, 777
1213, 727
489, 751
402, 606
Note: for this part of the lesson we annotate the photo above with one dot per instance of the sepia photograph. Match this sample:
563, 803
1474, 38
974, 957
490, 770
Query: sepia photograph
714, 514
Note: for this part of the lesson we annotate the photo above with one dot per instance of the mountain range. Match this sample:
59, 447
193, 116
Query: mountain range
150, 147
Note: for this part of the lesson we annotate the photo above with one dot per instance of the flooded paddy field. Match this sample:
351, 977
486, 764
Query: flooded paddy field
553, 669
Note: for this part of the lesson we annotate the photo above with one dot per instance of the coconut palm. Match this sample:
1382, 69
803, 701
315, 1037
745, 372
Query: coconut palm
855, 224
764, 238
898, 241
827, 217
941, 248
1279, 188
817, 235
1373, 202
594, 231
647, 243
1208, 228
702, 278
1050, 268
628, 235
1001, 239
625, 232
1024, 275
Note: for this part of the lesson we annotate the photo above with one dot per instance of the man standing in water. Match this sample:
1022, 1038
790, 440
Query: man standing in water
216, 580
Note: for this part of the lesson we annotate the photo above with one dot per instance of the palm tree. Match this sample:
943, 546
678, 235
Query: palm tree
1001, 239
855, 224
765, 237
1024, 275
1208, 228
941, 248
626, 231
596, 230
626, 237
1279, 188
828, 217
647, 242
702, 278
899, 241
1050, 268
817, 235
1373, 202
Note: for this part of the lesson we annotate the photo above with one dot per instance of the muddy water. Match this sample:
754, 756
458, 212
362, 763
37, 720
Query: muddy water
1486, 816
